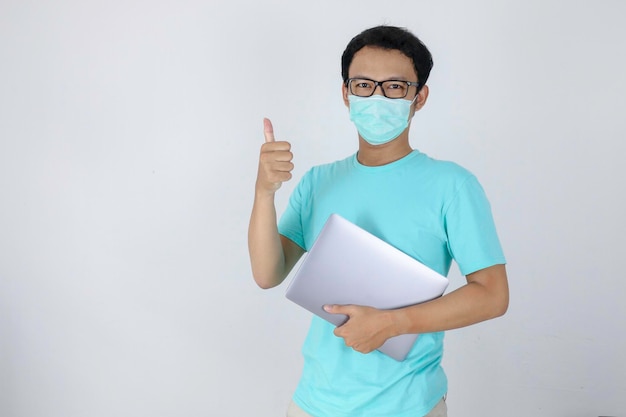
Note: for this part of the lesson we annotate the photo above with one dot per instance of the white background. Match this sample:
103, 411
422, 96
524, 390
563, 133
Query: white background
129, 136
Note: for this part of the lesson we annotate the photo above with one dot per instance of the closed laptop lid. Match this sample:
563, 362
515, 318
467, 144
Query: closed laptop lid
348, 265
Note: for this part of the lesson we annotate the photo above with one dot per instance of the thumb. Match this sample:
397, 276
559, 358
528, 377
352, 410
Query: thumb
337, 309
268, 130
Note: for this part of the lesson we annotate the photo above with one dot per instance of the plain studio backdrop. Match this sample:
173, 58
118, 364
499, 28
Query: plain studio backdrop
129, 138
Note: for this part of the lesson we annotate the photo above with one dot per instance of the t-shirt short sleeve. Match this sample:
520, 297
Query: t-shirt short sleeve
290, 223
472, 238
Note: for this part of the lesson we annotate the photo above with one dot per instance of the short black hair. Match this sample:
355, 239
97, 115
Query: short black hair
390, 37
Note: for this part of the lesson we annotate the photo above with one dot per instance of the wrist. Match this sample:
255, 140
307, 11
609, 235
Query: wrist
400, 322
264, 194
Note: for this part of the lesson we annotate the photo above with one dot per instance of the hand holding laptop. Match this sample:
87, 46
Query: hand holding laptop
366, 328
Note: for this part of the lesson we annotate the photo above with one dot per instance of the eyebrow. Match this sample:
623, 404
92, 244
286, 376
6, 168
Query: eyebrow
393, 78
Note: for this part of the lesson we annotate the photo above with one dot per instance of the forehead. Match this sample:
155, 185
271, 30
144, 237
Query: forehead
381, 64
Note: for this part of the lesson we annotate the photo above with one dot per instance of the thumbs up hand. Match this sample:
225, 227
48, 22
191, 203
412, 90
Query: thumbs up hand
275, 164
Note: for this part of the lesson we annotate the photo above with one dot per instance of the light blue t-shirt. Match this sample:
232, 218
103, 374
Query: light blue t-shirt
435, 211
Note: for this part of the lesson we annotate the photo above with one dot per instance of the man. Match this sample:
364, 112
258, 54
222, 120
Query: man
433, 210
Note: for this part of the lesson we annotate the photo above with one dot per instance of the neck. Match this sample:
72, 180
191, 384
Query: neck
370, 155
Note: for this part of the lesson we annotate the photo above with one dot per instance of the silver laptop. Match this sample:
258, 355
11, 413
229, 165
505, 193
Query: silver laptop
348, 265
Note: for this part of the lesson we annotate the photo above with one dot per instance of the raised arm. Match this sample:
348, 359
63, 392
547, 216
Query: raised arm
272, 256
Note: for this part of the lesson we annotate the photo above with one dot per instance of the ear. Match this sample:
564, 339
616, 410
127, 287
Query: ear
344, 94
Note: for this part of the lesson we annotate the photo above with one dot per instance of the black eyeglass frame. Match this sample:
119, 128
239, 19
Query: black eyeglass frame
380, 83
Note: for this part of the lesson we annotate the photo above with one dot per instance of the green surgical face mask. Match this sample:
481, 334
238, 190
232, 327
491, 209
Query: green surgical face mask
379, 119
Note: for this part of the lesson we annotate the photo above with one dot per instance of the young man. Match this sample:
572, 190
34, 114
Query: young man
433, 210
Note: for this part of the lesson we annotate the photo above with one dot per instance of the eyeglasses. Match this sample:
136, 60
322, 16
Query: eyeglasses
364, 87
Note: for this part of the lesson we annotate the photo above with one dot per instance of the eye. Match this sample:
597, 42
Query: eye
396, 86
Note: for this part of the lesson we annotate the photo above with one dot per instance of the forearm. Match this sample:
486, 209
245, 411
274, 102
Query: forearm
481, 299
267, 257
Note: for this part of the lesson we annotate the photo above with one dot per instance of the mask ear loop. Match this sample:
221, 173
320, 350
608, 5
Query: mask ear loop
413, 102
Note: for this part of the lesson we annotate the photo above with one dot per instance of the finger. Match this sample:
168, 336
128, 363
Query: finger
268, 130
279, 176
276, 151
282, 166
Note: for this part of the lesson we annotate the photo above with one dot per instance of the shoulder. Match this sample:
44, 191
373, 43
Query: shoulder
443, 166
442, 172
331, 168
